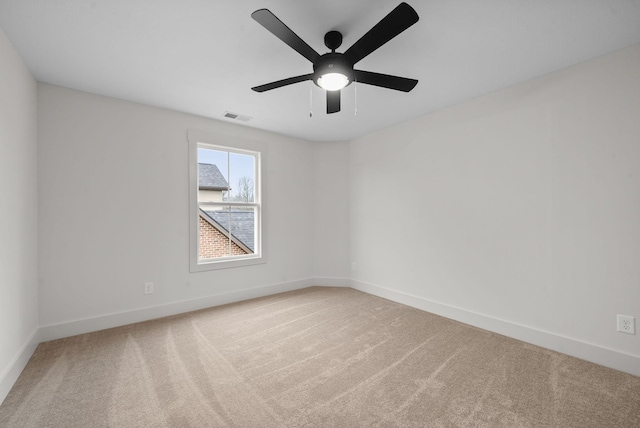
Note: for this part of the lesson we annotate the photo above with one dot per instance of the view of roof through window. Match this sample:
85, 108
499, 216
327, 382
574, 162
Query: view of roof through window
226, 177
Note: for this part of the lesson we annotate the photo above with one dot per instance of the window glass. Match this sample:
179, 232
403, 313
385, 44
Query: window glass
226, 206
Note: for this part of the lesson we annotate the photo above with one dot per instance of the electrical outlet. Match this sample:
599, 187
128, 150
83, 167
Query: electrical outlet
148, 287
354, 266
626, 324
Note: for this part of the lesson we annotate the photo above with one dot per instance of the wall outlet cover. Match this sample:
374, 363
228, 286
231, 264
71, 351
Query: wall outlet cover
626, 324
148, 287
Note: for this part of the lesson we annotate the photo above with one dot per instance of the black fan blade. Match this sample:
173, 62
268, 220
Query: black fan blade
398, 20
281, 83
333, 101
269, 21
384, 80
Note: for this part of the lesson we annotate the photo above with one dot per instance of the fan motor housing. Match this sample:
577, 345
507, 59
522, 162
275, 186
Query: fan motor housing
332, 63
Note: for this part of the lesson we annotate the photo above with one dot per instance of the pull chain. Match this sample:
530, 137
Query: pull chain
355, 96
310, 99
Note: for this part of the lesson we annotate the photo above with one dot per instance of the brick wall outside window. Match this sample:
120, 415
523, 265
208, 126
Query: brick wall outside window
213, 243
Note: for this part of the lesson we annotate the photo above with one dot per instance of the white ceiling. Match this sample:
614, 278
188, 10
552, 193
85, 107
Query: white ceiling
203, 56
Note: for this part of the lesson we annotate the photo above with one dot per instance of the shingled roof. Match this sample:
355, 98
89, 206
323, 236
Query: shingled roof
210, 178
242, 224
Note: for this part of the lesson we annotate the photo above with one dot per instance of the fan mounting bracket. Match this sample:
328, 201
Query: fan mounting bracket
333, 40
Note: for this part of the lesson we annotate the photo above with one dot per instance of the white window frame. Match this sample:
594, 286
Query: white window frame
199, 139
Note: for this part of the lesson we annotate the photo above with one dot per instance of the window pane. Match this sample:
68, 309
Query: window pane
213, 175
242, 177
225, 203
226, 231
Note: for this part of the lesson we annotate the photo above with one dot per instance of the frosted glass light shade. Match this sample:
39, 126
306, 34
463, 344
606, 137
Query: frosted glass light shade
333, 81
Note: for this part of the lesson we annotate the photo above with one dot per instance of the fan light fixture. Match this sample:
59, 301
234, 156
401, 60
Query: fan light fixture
334, 71
333, 81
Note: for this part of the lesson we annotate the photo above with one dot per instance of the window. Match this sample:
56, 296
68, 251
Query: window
226, 202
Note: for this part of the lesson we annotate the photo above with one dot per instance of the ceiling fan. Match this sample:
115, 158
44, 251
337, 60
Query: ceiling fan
334, 71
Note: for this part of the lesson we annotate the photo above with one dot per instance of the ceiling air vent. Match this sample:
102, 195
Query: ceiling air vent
236, 116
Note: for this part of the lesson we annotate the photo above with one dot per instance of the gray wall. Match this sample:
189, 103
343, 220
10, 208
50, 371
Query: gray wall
519, 209
114, 204
18, 215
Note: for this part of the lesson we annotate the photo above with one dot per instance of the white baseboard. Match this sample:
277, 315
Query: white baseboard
331, 282
9, 377
87, 325
596, 354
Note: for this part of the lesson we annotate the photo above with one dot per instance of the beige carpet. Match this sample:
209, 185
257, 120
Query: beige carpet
318, 357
